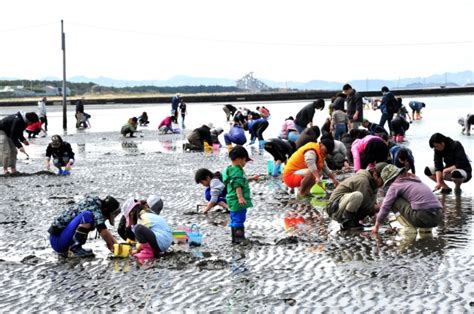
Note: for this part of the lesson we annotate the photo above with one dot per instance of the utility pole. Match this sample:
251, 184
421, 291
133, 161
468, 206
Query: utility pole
63, 46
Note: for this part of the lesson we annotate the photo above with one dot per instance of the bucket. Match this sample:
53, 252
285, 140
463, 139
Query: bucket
195, 237
270, 165
121, 249
216, 146
319, 189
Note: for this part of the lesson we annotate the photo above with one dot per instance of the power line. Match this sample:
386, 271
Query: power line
296, 44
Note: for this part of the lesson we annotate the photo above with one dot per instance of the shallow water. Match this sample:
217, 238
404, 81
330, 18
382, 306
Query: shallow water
313, 268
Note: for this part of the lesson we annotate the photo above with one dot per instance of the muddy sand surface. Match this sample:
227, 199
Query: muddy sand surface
313, 268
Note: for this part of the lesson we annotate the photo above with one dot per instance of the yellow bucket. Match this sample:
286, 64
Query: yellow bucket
121, 249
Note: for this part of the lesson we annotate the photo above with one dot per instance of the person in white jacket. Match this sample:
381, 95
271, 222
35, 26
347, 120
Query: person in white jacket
42, 113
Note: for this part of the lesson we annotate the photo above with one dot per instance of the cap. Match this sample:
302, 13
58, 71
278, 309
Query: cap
379, 167
112, 208
219, 130
239, 152
390, 173
155, 203
56, 141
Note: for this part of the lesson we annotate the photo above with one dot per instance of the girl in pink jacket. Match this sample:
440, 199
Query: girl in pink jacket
368, 151
288, 130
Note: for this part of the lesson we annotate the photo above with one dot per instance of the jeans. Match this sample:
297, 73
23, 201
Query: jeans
386, 118
340, 129
237, 219
63, 241
299, 128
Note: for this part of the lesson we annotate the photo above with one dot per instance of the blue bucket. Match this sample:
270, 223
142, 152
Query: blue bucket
194, 236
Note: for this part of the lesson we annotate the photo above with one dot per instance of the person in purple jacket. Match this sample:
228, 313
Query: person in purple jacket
407, 195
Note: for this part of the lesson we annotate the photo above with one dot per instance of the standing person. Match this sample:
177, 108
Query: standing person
143, 119
416, 107
184, 112
175, 101
304, 167
235, 135
388, 107
256, 129
166, 126
355, 198
130, 127
199, 138
151, 231
466, 123
306, 114
410, 197
338, 103
62, 155
229, 111
288, 130
79, 113
355, 106
450, 163
69, 231
238, 192
215, 193
11, 138
42, 113
368, 151
339, 122
281, 150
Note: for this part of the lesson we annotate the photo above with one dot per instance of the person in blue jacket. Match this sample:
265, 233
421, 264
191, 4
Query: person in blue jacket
256, 129
175, 101
416, 107
388, 107
402, 157
235, 135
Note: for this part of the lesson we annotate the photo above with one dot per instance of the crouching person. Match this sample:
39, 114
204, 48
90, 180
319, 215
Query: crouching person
62, 155
215, 193
407, 195
69, 231
149, 229
355, 198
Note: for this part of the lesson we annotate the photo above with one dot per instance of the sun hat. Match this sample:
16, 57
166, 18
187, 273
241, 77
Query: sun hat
379, 167
127, 207
390, 173
155, 203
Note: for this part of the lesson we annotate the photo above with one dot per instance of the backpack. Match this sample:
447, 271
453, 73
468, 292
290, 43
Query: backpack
393, 105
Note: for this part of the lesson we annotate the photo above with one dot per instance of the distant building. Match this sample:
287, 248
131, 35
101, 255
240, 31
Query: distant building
16, 91
249, 83
54, 91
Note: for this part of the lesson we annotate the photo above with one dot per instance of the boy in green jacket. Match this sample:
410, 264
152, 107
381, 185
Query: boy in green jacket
238, 192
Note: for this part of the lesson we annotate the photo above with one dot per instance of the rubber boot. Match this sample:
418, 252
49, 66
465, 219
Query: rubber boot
276, 169
349, 222
229, 147
239, 235
232, 231
261, 144
145, 254
80, 238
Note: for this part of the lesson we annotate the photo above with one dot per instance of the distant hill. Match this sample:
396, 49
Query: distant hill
447, 79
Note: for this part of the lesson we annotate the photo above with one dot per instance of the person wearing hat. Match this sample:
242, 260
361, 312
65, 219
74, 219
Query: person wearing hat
70, 229
62, 154
256, 127
11, 138
356, 198
306, 114
198, 138
150, 230
238, 192
304, 167
215, 132
410, 197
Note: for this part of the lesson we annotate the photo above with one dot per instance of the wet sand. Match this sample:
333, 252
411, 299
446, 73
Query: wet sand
315, 268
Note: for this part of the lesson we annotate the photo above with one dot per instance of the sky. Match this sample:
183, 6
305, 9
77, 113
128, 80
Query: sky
277, 40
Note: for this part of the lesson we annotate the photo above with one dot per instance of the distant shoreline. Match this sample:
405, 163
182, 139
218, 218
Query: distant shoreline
233, 97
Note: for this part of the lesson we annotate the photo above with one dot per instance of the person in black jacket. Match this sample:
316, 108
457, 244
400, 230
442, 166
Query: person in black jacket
229, 111
355, 107
197, 138
62, 155
373, 128
306, 114
450, 163
11, 138
281, 150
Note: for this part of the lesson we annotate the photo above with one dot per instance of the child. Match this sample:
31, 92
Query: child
339, 123
151, 231
238, 192
166, 126
215, 190
143, 119
130, 127
402, 157
34, 129
62, 154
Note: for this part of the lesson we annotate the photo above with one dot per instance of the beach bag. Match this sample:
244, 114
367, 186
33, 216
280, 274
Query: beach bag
194, 236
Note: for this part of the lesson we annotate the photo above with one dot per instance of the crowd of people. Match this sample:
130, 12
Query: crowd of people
303, 153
